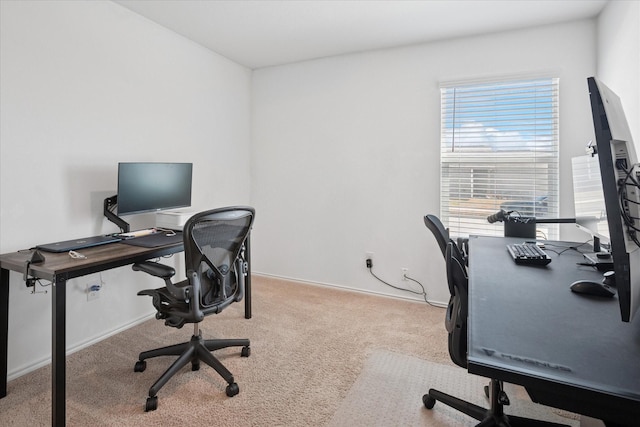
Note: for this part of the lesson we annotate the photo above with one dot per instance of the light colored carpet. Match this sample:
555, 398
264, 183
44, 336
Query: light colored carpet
309, 346
389, 392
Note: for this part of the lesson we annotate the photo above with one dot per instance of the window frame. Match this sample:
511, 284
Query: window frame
516, 133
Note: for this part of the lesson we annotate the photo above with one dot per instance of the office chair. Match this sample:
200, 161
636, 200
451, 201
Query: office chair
441, 234
456, 325
214, 244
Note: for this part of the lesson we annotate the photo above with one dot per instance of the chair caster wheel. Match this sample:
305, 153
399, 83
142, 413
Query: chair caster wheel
140, 366
233, 389
152, 404
428, 401
195, 366
246, 351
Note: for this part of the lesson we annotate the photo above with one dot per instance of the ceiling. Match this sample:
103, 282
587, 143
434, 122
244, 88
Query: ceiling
262, 33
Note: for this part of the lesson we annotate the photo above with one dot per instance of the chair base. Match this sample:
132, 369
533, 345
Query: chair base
494, 416
194, 351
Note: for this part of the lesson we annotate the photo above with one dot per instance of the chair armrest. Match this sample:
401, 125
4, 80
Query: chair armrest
194, 303
241, 271
165, 272
155, 269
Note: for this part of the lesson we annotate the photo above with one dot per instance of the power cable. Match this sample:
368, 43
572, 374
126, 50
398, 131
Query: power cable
422, 294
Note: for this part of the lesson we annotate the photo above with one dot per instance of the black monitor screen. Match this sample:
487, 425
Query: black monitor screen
621, 186
148, 187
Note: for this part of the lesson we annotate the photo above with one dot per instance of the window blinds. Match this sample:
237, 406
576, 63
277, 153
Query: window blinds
499, 150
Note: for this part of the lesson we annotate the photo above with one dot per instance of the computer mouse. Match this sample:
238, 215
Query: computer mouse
589, 287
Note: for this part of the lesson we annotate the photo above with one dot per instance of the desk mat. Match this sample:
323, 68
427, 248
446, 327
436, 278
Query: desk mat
155, 240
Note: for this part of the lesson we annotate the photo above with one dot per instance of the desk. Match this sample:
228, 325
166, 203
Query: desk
569, 351
58, 268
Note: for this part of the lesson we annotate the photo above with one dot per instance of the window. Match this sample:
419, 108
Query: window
499, 150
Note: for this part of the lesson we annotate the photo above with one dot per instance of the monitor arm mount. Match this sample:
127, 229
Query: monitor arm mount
109, 204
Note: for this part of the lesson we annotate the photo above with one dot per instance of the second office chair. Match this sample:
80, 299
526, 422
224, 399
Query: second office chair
456, 325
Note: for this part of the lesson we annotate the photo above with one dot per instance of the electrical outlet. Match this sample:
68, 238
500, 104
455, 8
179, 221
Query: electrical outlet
93, 291
368, 257
405, 271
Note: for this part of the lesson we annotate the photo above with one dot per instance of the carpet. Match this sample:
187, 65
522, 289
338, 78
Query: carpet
317, 353
389, 391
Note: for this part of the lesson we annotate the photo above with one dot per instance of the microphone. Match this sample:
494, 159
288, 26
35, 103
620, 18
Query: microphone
498, 216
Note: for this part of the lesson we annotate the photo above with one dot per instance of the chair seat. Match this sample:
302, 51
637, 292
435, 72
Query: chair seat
165, 304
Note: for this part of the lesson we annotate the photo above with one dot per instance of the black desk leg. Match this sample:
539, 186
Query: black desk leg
58, 350
4, 329
247, 284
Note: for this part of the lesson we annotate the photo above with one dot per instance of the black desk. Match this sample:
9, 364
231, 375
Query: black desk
58, 268
569, 351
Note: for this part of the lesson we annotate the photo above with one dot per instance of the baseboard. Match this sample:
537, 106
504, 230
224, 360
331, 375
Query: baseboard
347, 288
22, 370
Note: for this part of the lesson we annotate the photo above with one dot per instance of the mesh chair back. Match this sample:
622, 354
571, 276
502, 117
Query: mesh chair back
214, 242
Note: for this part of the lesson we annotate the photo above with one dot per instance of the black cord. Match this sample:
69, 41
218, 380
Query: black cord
37, 282
628, 181
45, 285
566, 248
587, 264
422, 294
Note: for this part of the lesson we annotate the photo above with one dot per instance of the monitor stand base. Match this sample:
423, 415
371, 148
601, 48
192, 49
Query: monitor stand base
602, 261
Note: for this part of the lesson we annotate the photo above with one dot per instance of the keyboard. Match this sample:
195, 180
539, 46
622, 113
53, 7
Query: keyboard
528, 254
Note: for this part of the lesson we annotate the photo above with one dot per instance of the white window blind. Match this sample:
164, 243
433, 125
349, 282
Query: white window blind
499, 150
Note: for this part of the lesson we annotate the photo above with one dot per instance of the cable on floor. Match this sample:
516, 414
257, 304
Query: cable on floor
422, 294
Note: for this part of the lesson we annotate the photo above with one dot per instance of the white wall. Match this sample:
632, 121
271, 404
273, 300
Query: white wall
346, 151
619, 57
85, 85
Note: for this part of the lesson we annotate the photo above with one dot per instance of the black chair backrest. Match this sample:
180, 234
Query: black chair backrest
456, 316
213, 242
441, 234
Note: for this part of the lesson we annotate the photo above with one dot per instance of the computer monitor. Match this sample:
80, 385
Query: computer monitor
620, 176
150, 187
